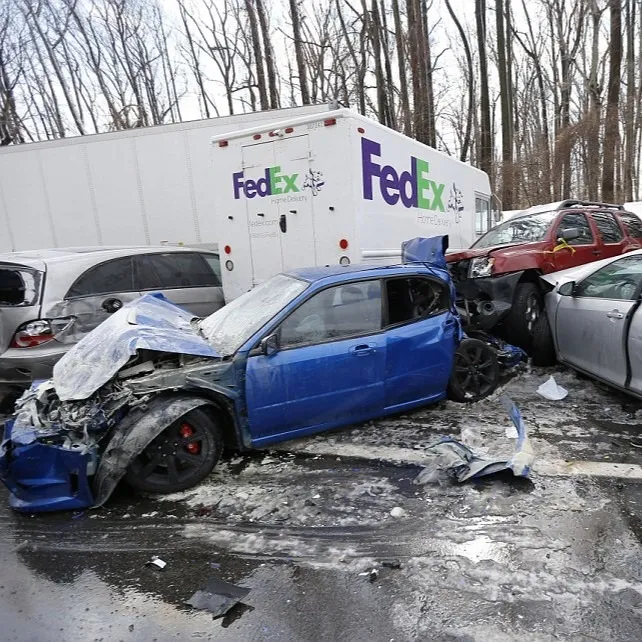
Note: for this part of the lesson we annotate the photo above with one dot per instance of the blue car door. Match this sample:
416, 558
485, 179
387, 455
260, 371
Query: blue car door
421, 338
328, 369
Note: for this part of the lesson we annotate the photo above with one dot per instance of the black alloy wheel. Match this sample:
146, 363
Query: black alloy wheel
475, 372
180, 457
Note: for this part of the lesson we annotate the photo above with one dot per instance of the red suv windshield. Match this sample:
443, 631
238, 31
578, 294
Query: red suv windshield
523, 229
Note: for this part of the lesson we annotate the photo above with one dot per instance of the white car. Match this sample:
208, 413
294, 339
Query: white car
594, 315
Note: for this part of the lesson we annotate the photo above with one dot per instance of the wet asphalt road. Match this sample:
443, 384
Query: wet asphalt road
555, 557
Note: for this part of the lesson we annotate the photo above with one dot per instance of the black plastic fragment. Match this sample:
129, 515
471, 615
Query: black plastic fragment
217, 597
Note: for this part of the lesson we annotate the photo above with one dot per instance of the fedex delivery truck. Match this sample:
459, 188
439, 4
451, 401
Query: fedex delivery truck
335, 187
135, 187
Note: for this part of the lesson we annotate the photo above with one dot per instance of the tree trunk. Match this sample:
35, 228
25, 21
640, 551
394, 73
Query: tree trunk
374, 29
390, 81
595, 107
463, 155
298, 51
485, 148
269, 55
611, 129
629, 118
507, 134
427, 70
258, 55
401, 62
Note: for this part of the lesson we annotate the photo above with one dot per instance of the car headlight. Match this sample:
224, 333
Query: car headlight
480, 267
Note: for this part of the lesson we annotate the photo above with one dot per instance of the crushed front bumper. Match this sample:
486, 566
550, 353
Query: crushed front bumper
44, 477
485, 301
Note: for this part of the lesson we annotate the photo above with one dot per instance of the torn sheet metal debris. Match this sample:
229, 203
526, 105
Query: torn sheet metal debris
551, 390
217, 597
461, 462
156, 562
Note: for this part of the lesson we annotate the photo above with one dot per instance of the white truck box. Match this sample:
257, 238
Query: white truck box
335, 187
135, 187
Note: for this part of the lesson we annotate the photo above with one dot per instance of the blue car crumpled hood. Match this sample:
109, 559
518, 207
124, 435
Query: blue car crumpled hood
148, 323
430, 251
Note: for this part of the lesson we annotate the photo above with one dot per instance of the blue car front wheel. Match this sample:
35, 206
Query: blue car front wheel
180, 457
475, 372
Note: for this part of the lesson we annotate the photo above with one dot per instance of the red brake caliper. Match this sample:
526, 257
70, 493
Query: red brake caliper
187, 431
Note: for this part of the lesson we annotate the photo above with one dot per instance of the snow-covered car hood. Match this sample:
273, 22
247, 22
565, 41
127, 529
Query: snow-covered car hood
148, 323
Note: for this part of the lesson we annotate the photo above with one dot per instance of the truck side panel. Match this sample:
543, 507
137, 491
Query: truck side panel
119, 204
139, 186
405, 189
25, 202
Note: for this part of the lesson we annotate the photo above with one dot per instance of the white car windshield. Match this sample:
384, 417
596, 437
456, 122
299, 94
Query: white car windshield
523, 229
231, 326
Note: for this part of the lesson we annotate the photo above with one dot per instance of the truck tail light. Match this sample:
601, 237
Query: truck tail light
289, 130
257, 137
343, 244
36, 333
223, 143
227, 249
329, 121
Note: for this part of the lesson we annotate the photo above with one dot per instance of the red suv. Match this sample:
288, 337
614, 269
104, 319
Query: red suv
497, 279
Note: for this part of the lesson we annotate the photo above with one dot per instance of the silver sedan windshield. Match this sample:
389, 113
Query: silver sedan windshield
231, 326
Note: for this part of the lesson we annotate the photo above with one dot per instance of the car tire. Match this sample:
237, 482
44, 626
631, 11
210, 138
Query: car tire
180, 457
475, 373
543, 346
527, 308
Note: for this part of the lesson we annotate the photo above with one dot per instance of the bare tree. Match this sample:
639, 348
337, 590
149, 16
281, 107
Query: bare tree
298, 50
611, 128
485, 146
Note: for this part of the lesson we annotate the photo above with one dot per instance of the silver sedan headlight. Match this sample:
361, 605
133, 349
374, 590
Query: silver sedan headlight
480, 267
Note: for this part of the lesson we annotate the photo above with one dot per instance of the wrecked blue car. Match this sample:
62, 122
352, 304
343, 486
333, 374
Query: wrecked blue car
153, 394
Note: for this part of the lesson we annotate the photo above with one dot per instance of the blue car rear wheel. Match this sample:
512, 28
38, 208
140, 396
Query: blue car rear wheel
180, 457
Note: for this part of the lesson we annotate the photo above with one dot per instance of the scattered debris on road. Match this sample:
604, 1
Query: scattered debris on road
551, 390
217, 597
156, 562
459, 461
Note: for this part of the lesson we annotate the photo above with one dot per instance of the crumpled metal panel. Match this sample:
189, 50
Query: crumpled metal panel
44, 477
431, 250
149, 323
134, 434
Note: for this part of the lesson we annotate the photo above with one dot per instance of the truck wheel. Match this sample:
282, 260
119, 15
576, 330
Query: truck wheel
180, 457
543, 346
528, 307
475, 372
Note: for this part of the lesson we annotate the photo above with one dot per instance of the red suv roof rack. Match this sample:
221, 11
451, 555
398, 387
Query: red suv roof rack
575, 203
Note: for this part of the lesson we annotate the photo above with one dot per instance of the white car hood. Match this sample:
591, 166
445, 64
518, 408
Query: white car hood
575, 273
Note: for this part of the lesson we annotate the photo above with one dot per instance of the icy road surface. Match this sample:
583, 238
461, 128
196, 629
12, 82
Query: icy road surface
555, 557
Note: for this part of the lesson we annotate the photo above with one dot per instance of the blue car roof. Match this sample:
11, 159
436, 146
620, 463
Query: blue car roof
313, 274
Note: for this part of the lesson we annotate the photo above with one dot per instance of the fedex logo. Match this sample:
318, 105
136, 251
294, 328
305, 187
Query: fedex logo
412, 187
273, 182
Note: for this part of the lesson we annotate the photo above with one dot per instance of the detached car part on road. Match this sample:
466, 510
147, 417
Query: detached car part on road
153, 394
497, 279
595, 320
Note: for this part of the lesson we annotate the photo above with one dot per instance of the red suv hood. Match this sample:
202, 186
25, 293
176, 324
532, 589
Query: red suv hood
508, 251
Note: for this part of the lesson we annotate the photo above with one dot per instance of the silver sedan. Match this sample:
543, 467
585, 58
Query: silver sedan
596, 321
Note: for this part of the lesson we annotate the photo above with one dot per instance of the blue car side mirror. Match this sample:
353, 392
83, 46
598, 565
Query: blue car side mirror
270, 345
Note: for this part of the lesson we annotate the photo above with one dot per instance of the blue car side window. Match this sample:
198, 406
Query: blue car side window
352, 309
415, 298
